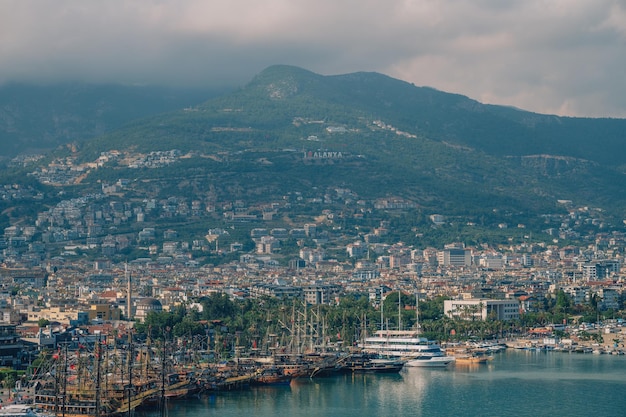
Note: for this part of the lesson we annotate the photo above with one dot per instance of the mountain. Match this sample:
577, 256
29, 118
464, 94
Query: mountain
291, 132
281, 93
41, 117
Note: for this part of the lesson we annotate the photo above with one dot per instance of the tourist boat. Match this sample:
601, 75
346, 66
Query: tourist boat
472, 360
400, 343
365, 363
407, 345
321, 364
271, 376
181, 385
306, 365
87, 383
88, 403
326, 367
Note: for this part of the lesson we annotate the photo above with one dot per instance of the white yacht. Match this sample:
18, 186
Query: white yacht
405, 343
430, 361
408, 345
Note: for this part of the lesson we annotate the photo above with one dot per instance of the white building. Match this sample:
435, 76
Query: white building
267, 245
595, 271
454, 257
482, 309
492, 261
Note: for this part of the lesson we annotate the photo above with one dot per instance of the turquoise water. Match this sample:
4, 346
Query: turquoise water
515, 383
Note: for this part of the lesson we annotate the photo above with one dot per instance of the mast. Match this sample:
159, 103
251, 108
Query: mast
163, 403
64, 380
98, 356
295, 329
56, 366
382, 313
399, 310
417, 311
130, 370
129, 302
129, 358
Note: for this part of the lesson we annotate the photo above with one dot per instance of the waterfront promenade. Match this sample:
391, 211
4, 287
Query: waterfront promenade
611, 342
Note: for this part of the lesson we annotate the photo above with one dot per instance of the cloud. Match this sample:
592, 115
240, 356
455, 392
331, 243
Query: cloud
559, 57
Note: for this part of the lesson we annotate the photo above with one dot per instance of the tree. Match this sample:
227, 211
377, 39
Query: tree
9, 381
563, 301
593, 301
188, 327
217, 306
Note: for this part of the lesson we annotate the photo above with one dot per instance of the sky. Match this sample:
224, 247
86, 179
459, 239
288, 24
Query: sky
563, 57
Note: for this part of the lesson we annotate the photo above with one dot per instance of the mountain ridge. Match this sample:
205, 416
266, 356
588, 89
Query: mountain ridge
441, 151
444, 116
36, 118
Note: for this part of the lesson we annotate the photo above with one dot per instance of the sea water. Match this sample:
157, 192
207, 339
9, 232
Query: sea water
514, 383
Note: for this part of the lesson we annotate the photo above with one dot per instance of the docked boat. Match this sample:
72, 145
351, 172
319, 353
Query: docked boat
430, 362
271, 376
408, 345
324, 366
181, 385
89, 403
303, 365
472, 359
105, 381
364, 363
400, 343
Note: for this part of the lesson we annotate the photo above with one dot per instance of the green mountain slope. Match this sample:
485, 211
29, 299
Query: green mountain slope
36, 118
441, 151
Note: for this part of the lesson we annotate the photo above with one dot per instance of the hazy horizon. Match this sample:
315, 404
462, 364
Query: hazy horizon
560, 57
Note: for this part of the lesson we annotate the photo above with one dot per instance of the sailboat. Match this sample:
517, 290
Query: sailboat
100, 382
72, 385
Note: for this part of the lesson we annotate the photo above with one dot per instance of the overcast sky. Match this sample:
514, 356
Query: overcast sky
565, 57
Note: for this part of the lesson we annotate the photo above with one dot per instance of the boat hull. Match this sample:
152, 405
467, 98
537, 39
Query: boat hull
430, 362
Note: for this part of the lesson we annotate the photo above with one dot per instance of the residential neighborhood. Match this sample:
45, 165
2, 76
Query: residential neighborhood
89, 264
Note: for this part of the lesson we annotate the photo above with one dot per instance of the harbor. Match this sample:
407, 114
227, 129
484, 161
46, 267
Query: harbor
146, 367
513, 383
104, 380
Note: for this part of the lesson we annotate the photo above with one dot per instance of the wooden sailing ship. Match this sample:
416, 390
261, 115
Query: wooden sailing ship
87, 382
105, 381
